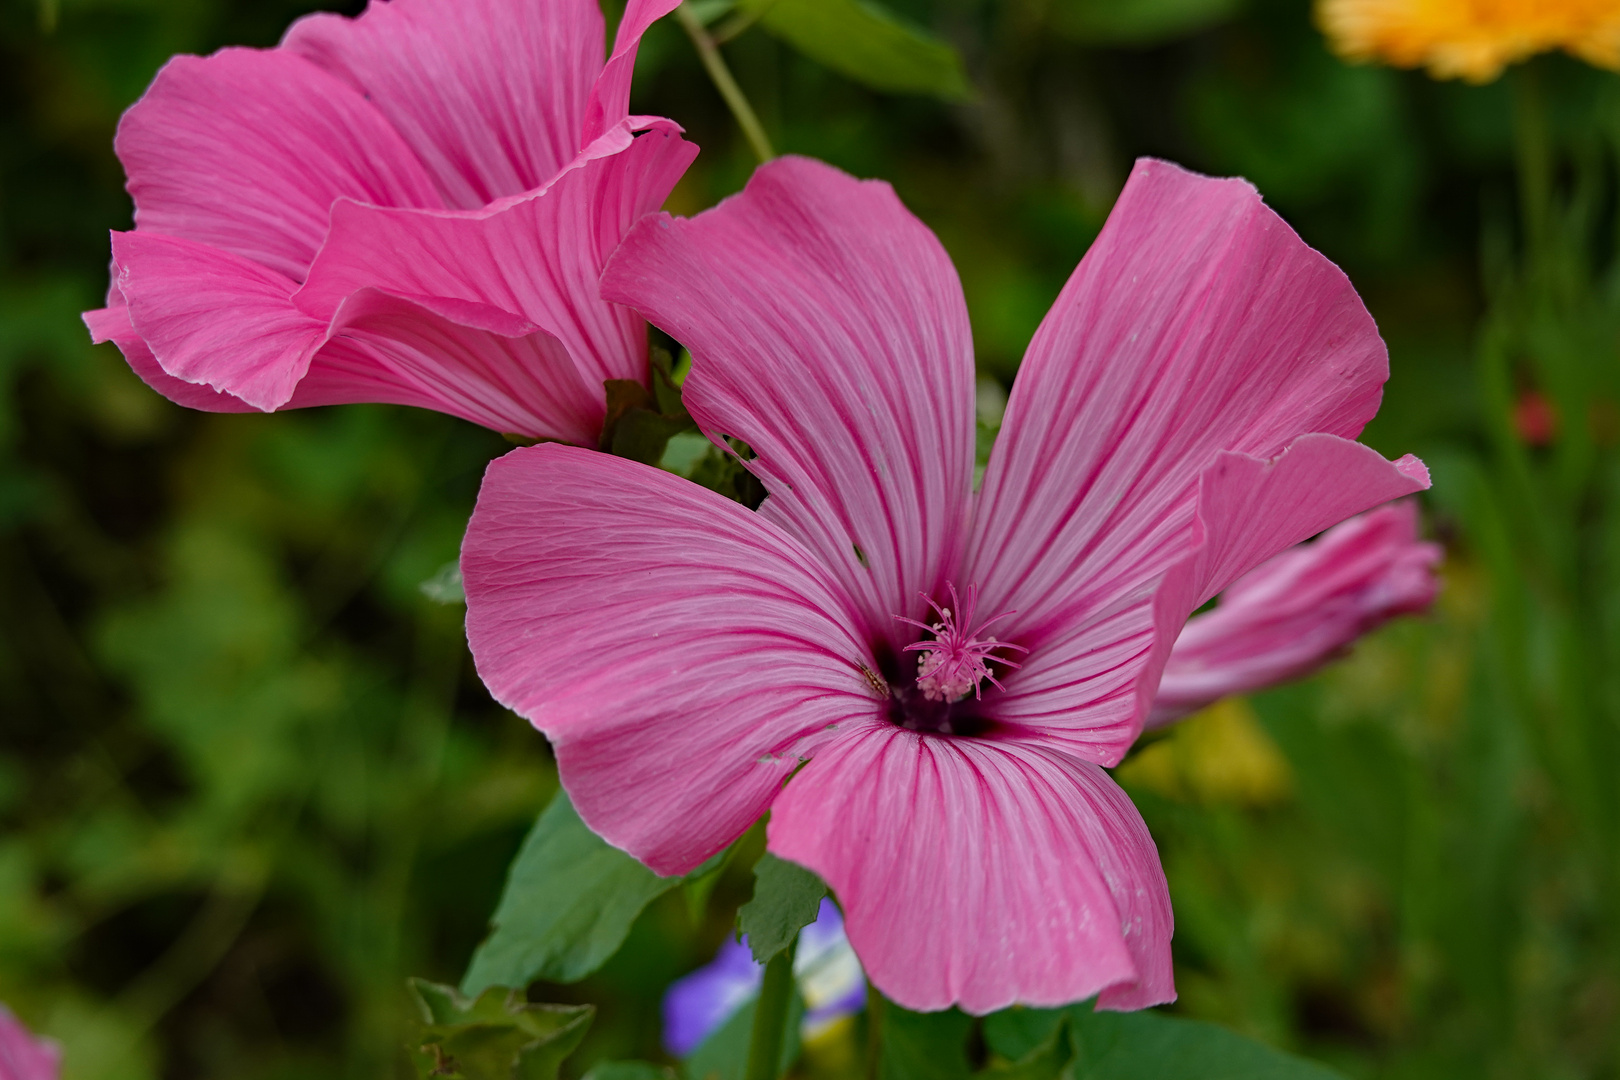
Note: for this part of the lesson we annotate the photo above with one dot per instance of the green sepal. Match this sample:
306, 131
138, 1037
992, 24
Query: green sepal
639, 422
497, 1036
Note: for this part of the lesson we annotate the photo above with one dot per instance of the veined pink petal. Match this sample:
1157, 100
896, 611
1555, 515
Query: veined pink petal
828, 332
246, 150
393, 350
1197, 323
1250, 510
981, 874
24, 1056
539, 256
499, 372
1300, 609
111, 323
490, 94
680, 652
610, 97
212, 317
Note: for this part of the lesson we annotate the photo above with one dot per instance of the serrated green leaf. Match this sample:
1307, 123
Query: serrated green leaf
569, 901
1152, 1046
786, 898
497, 1036
863, 41
924, 1046
724, 1054
1138, 22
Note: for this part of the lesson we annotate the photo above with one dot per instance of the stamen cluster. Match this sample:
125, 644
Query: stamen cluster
956, 661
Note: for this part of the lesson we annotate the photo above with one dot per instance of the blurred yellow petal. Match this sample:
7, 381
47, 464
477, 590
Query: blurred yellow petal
1219, 756
1470, 39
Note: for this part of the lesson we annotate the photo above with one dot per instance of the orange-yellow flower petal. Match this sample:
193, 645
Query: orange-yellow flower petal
1470, 39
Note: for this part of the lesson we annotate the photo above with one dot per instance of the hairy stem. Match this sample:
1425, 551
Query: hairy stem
720, 75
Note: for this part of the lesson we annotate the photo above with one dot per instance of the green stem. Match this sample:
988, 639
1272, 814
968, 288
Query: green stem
770, 1017
1534, 153
715, 65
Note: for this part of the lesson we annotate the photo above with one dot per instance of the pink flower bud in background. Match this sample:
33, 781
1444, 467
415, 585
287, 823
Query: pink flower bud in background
1295, 613
23, 1056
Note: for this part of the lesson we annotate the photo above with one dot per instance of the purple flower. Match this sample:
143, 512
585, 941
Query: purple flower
830, 981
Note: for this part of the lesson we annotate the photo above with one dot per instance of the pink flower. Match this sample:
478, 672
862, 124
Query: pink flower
413, 206
22, 1055
1299, 610
1183, 414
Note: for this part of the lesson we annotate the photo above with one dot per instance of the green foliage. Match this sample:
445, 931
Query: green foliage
860, 39
629, 1070
1138, 22
724, 1054
1152, 1046
499, 1036
1042, 1044
786, 898
924, 1046
569, 902
249, 781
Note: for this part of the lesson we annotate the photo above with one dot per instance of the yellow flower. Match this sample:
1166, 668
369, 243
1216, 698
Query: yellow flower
1471, 39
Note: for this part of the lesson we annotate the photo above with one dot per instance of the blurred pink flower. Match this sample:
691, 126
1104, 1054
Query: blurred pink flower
24, 1056
1183, 414
412, 206
1300, 610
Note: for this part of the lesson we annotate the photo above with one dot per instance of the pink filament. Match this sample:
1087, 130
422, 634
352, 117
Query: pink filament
955, 662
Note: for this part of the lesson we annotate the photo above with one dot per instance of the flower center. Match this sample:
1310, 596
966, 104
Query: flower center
952, 665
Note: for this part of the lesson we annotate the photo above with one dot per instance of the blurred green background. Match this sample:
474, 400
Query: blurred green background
249, 781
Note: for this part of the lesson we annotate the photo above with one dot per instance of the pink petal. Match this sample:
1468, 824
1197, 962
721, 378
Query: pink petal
490, 94
828, 332
1299, 610
1198, 322
539, 256
610, 97
212, 317
1250, 510
23, 1055
111, 323
680, 653
981, 874
245, 150
390, 349
481, 364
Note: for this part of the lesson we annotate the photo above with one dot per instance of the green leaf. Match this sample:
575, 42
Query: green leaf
1033, 1044
861, 40
924, 1046
786, 898
629, 1070
724, 1054
569, 901
498, 1036
1152, 1046
1138, 22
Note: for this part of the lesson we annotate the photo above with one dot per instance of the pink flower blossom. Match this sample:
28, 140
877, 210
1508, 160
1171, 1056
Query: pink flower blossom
412, 206
1184, 413
24, 1056
1299, 610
